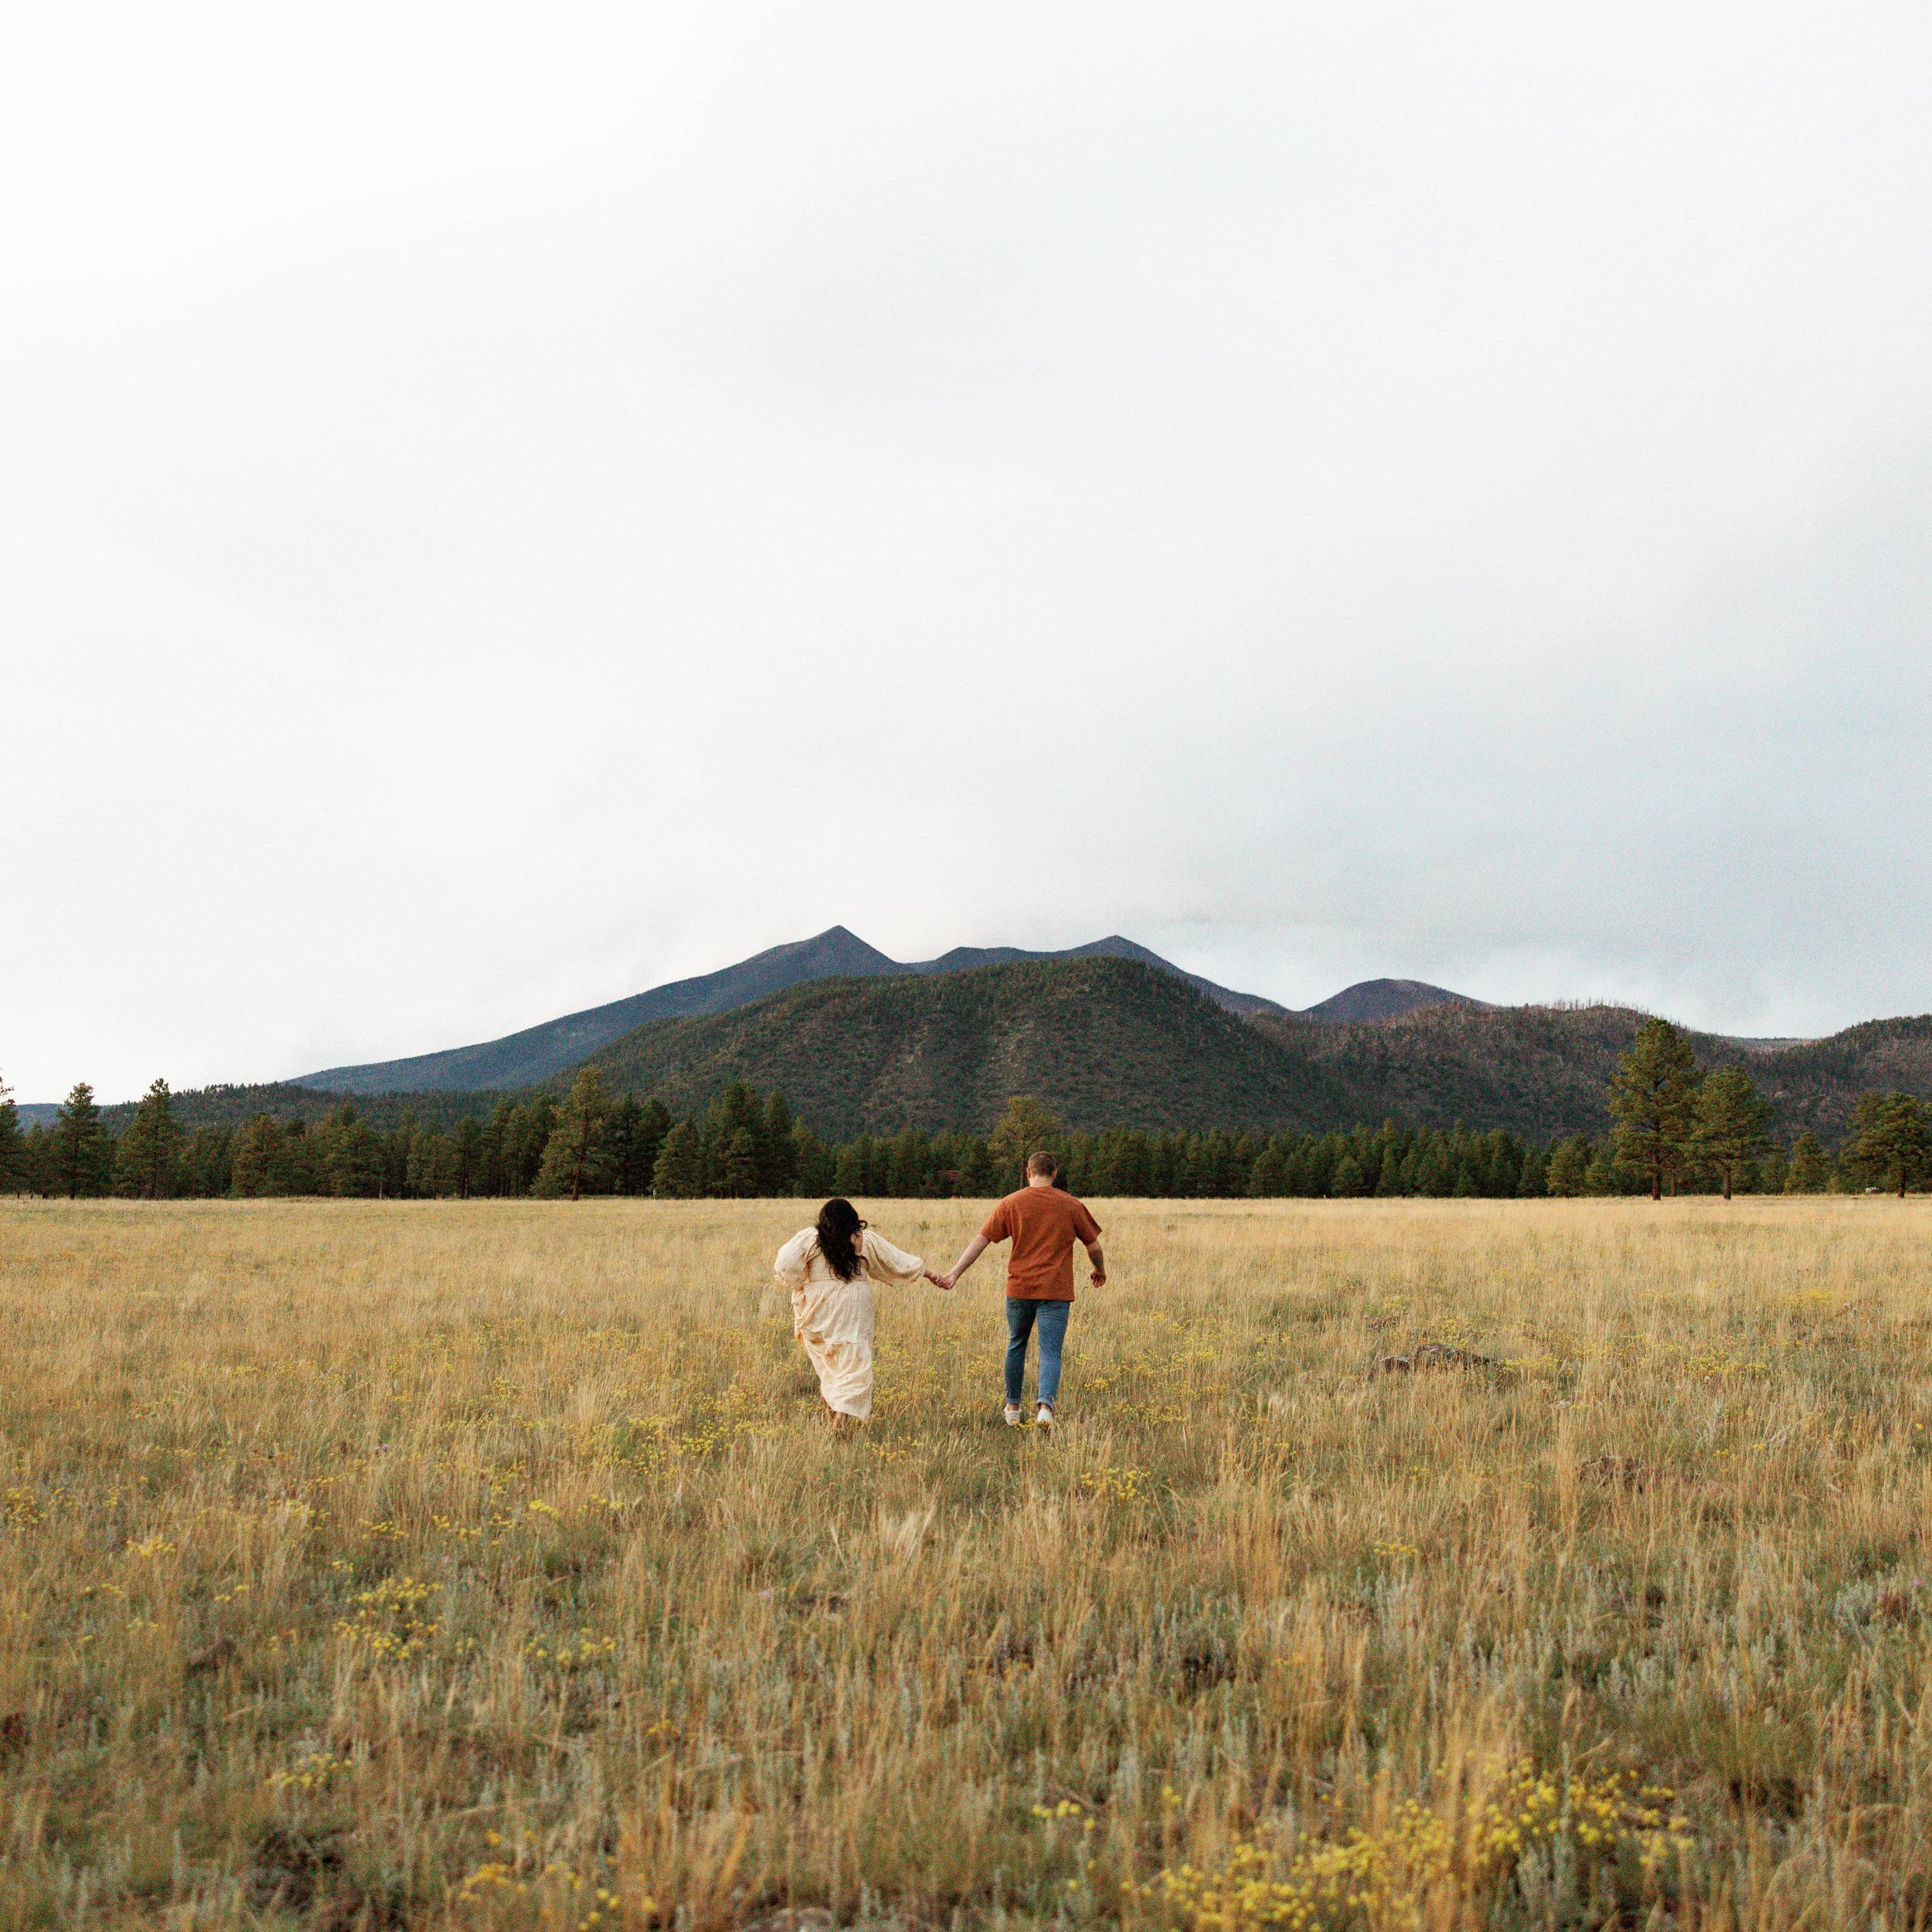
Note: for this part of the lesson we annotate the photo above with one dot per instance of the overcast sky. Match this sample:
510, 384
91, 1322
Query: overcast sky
502, 506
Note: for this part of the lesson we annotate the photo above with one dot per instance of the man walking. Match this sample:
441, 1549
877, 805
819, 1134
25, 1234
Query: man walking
1042, 1222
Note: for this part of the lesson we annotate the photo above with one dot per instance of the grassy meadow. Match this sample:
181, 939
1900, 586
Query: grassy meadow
489, 1564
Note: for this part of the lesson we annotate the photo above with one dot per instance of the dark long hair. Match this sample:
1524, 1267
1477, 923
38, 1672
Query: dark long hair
837, 1222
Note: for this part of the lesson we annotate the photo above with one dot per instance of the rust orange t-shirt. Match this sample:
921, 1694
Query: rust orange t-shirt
1042, 1223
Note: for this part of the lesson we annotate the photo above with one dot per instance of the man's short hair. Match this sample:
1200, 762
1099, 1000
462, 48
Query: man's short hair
1040, 1161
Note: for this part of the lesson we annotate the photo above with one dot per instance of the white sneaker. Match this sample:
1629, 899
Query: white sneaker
1045, 1419
1013, 1417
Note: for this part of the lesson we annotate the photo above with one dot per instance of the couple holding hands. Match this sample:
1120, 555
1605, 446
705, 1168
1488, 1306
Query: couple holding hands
829, 1269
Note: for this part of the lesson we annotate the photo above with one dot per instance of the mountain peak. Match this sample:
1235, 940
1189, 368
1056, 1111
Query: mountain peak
1375, 1000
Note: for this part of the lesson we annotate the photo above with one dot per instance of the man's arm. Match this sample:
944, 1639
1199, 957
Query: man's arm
1099, 1261
968, 1255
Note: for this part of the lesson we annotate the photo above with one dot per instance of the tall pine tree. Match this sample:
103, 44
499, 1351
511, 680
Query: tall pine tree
576, 1162
679, 1175
1809, 1171
147, 1161
83, 1151
1653, 1098
352, 1167
777, 1155
811, 1163
255, 1159
735, 1174
1728, 1124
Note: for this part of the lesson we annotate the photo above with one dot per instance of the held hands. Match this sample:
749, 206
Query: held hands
940, 1281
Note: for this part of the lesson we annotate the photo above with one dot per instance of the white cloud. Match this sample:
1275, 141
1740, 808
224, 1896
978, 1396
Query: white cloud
499, 509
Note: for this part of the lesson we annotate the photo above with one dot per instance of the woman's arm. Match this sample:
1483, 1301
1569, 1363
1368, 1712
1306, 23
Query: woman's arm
885, 1263
793, 1262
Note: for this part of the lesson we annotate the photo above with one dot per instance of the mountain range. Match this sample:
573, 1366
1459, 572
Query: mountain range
1105, 1041
1103, 1035
521, 1059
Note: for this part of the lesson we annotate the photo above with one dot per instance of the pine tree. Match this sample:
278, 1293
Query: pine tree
301, 1161
679, 1173
257, 1156
429, 1163
737, 1168
1349, 1181
492, 1173
1653, 1098
775, 1152
576, 1162
467, 1156
621, 1129
1605, 1175
653, 1123
1435, 1170
1772, 1171
849, 1170
1569, 1171
37, 1162
909, 1164
12, 1153
811, 1163
83, 1149
351, 1159
147, 1163
206, 1163
734, 1111
523, 1151
1728, 1127
1025, 1128
1131, 1163
1889, 1146
1503, 1157
1392, 1175
1809, 1171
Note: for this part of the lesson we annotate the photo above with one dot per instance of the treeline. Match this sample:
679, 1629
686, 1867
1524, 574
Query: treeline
1671, 1134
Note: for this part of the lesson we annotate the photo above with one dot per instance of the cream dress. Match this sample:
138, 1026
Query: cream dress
833, 1318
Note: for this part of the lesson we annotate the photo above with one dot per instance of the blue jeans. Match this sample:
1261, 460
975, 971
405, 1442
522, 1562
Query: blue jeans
1023, 1317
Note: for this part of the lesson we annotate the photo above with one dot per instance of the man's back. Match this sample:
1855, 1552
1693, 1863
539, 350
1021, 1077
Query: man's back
1042, 1223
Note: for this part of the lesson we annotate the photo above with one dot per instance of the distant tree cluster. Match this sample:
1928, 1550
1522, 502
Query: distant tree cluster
1676, 1126
1676, 1130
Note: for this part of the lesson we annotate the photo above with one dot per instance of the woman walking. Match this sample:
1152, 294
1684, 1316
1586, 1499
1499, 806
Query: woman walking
830, 1268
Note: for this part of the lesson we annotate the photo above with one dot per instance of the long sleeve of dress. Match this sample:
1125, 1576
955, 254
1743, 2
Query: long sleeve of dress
885, 1263
794, 1260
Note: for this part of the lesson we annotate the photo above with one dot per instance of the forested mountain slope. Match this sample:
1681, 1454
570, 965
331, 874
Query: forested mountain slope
1545, 1071
1099, 1041
522, 1059
1540, 1071
1816, 1083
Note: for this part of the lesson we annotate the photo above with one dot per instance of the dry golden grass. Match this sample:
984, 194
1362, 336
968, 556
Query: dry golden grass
489, 1565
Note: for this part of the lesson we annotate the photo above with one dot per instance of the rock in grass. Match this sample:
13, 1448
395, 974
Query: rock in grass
1432, 1355
1617, 1472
